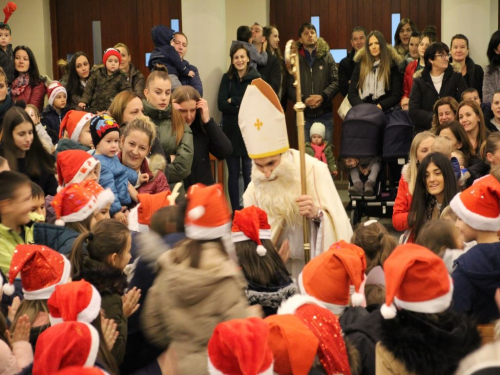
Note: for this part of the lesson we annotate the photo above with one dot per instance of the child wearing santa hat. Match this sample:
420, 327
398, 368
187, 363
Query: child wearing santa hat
74, 132
198, 286
269, 282
56, 109
420, 334
105, 198
476, 273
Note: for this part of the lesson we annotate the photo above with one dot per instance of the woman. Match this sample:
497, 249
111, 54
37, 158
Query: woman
435, 186
472, 73
376, 78
208, 137
470, 116
402, 36
438, 79
420, 147
232, 88
176, 138
427, 37
27, 85
134, 76
491, 81
273, 38
24, 151
78, 72
444, 110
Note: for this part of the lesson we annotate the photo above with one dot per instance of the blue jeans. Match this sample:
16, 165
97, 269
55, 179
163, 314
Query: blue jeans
326, 119
234, 164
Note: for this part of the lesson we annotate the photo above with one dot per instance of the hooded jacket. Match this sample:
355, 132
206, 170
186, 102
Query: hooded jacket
56, 237
165, 54
476, 278
392, 94
185, 304
423, 94
322, 78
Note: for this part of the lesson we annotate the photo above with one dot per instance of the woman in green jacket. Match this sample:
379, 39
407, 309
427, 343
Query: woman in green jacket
175, 136
232, 88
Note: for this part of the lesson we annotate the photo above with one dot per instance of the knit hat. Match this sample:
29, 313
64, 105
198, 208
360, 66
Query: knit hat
317, 128
325, 326
328, 276
7, 11
239, 346
293, 345
41, 270
251, 223
478, 206
74, 166
66, 344
103, 196
73, 122
262, 121
150, 203
77, 370
111, 52
101, 125
77, 301
416, 279
73, 203
207, 213
53, 90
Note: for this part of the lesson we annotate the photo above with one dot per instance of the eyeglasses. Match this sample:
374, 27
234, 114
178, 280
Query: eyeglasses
444, 57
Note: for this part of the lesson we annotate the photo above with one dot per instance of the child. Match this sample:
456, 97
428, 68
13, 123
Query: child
462, 160
76, 166
165, 54
6, 53
475, 277
104, 83
38, 211
15, 351
40, 129
55, 111
105, 134
368, 167
244, 36
74, 133
6, 101
15, 208
269, 282
443, 145
104, 199
494, 122
321, 149
99, 257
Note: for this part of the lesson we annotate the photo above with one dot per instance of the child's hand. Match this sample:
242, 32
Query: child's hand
109, 331
13, 308
121, 217
202, 105
143, 177
264, 46
130, 300
22, 332
191, 74
82, 105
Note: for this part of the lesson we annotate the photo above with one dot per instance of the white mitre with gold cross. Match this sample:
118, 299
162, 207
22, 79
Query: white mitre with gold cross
262, 121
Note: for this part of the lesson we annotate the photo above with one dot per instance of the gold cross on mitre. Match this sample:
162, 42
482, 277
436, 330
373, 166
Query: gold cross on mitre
258, 124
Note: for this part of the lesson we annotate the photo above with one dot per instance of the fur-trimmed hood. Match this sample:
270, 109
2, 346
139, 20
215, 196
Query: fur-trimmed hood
396, 57
106, 279
456, 69
430, 347
405, 172
322, 48
157, 163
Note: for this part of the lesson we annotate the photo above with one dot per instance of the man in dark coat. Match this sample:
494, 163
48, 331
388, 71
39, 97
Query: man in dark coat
347, 64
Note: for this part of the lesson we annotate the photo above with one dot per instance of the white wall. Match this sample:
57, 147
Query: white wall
477, 20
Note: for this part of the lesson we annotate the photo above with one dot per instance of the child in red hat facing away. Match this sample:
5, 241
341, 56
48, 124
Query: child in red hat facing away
74, 132
419, 333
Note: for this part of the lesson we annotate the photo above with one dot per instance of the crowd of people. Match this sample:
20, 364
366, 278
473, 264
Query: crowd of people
120, 255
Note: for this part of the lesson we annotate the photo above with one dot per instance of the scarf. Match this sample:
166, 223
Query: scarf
319, 152
373, 85
20, 84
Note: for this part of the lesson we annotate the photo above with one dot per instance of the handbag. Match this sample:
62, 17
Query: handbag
344, 108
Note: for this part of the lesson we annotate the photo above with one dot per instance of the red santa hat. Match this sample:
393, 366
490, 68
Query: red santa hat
325, 326
207, 213
66, 344
111, 52
478, 206
76, 301
77, 370
73, 123
250, 224
41, 270
240, 346
150, 203
53, 90
416, 279
103, 196
293, 345
328, 276
73, 203
74, 166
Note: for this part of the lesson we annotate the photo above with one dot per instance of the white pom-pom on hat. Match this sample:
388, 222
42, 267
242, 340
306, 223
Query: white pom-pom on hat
388, 312
357, 299
261, 250
196, 213
8, 289
59, 222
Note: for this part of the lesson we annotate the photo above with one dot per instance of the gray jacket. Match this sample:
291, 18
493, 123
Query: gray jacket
491, 83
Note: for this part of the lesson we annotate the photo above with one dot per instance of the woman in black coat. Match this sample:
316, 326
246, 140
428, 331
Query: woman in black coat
208, 137
472, 73
437, 80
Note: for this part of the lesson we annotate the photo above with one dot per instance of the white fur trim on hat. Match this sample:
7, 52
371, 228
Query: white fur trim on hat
213, 371
46, 292
88, 314
79, 176
196, 232
105, 197
473, 219
196, 213
94, 347
291, 305
57, 90
264, 234
79, 126
80, 215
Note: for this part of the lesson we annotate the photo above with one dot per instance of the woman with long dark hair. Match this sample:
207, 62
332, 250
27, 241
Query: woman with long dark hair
78, 71
402, 36
273, 38
491, 81
27, 85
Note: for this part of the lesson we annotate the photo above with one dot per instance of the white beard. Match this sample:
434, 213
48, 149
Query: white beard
277, 194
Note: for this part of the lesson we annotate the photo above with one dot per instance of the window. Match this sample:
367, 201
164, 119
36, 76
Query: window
396, 18
338, 54
174, 25
315, 22
148, 55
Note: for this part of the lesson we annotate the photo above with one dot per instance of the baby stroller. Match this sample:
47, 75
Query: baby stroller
362, 137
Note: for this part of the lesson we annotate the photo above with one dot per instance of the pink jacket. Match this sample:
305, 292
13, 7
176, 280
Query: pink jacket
13, 361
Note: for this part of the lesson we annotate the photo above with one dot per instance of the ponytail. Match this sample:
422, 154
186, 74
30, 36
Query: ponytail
77, 252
